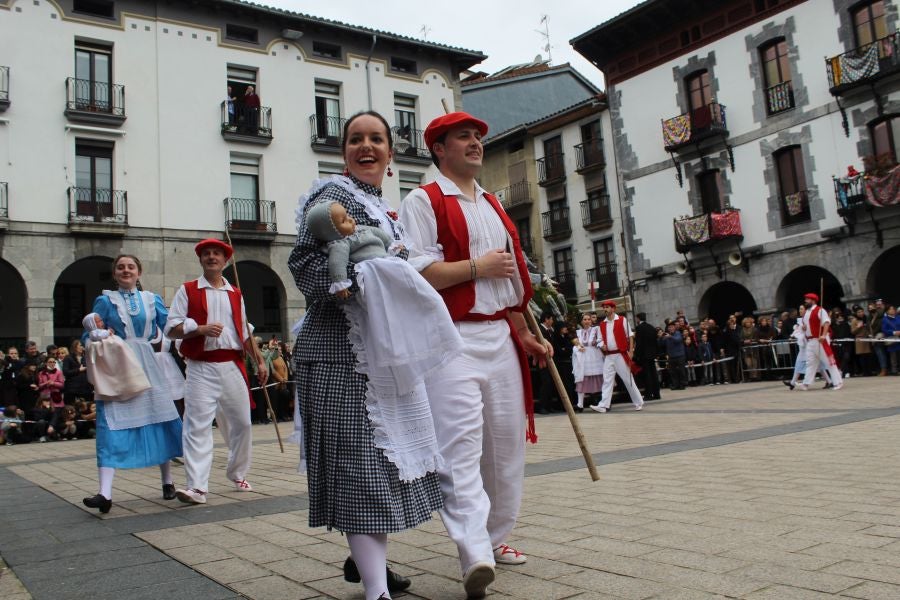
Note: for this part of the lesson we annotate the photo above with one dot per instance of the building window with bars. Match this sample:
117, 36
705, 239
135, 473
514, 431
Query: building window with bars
777, 76
792, 186
328, 111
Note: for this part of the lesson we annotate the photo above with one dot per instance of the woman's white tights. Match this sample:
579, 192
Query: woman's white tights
369, 552
106, 475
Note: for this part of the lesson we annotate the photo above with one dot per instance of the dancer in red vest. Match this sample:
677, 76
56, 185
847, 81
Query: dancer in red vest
617, 346
816, 326
466, 246
209, 315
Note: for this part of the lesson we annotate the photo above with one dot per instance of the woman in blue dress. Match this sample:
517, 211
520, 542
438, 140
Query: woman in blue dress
144, 430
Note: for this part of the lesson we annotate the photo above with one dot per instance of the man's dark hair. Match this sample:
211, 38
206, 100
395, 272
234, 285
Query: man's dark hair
437, 162
546, 315
642, 317
31, 344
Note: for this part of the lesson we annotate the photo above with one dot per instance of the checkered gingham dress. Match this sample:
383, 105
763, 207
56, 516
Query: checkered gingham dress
353, 487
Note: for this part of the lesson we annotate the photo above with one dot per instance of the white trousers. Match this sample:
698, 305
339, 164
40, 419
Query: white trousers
215, 391
614, 364
816, 359
479, 417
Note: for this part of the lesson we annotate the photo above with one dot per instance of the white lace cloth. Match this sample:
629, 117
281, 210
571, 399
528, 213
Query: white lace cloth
400, 331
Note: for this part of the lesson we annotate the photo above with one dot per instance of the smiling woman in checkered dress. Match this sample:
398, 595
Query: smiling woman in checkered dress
353, 487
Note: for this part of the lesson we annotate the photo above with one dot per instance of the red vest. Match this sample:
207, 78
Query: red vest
453, 236
815, 330
197, 310
621, 341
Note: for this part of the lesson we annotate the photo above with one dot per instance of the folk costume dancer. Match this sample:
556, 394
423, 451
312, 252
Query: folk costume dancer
145, 429
617, 344
208, 314
800, 363
587, 361
468, 249
816, 325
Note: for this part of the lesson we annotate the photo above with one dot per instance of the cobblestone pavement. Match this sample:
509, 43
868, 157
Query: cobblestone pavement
740, 491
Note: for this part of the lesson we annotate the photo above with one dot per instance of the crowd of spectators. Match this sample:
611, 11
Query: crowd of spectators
45, 396
743, 348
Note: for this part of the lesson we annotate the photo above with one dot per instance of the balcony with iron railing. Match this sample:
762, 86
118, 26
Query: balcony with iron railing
707, 229
4, 88
779, 97
250, 218
693, 127
596, 213
589, 156
4, 204
849, 194
515, 195
551, 169
98, 211
96, 102
416, 152
795, 208
247, 124
556, 224
566, 284
326, 133
605, 280
863, 65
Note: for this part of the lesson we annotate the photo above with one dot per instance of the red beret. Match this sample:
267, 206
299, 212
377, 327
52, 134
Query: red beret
811, 296
611, 303
442, 124
228, 250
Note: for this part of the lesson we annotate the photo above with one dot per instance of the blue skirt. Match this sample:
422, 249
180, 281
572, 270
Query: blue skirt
138, 447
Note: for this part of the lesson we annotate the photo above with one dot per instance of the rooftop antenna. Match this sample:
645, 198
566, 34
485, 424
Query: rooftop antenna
425, 30
545, 33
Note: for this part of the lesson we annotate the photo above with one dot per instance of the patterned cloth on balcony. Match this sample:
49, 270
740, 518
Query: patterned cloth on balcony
793, 204
725, 224
884, 191
676, 130
690, 232
780, 97
852, 67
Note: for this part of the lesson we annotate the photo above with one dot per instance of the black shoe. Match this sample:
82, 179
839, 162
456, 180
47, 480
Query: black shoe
788, 383
828, 386
169, 491
395, 582
578, 409
99, 502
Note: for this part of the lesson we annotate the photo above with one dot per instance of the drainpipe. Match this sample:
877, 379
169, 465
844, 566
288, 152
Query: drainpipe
368, 77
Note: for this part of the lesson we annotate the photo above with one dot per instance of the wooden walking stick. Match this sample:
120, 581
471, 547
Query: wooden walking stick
564, 397
256, 353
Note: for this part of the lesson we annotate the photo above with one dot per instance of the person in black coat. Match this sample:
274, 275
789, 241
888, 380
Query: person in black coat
645, 351
546, 389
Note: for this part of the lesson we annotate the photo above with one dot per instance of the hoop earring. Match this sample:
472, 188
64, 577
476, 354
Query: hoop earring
389, 172
346, 172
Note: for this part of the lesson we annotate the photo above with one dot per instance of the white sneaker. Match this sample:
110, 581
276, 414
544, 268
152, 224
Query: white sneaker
190, 496
598, 408
477, 578
241, 485
639, 407
504, 555
837, 387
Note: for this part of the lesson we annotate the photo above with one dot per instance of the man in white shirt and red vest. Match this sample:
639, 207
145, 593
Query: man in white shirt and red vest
617, 346
816, 325
209, 316
465, 245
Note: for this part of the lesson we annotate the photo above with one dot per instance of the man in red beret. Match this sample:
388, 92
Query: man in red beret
617, 345
209, 316
466, 246
816, 326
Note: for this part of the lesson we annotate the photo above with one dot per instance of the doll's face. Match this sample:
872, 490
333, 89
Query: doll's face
99, 322
344, 223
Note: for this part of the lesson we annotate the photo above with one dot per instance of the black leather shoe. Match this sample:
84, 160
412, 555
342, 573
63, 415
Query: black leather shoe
395, 582
99, 502
169, 491
789, 384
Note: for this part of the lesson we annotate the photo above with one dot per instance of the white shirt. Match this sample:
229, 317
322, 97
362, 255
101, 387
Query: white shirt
486, 233
218, 311
608, 329
823, 318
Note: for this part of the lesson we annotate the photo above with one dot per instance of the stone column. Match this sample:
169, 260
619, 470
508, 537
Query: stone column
40, 321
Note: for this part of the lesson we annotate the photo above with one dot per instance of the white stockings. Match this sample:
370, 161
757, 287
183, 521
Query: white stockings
106, 475
369, 552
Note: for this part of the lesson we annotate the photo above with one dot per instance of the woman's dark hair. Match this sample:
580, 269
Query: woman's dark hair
371, 113
72, 346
